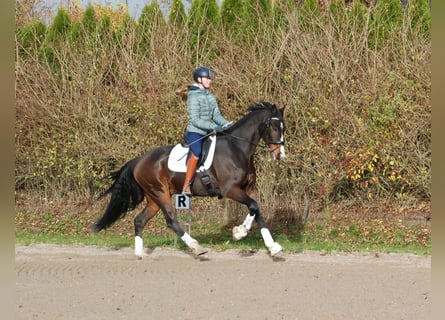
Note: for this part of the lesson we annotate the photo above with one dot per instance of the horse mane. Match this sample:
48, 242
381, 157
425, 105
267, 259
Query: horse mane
252, 109
262, 106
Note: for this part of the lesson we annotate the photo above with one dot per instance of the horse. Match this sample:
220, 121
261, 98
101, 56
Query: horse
148, 176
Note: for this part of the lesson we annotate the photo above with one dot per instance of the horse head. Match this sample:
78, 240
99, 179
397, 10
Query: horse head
273, 134
272, 130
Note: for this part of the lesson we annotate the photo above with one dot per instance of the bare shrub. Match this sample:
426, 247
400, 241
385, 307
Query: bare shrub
358, 115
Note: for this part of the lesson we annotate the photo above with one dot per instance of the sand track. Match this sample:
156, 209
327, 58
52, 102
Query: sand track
66, 282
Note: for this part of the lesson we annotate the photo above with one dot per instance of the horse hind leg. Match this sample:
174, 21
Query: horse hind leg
173, 224
139, 223
192, 243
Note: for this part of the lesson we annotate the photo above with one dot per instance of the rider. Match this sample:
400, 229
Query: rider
204, 117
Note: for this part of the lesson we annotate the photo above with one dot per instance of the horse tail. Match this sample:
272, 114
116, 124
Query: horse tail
125, 192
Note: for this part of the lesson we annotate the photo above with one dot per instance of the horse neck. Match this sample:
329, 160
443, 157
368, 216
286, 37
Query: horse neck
249, 130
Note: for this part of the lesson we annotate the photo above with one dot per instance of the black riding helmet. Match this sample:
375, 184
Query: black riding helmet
202, 72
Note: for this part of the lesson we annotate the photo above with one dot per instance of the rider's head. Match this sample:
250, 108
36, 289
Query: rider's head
202, 73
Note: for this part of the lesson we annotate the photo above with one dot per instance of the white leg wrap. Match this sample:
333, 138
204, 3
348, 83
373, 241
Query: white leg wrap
268, 240
240, 231
274, 247
248, 221
138, 246
193, 244
187, 239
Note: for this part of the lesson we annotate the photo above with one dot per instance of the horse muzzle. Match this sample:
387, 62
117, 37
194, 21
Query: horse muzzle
277, 151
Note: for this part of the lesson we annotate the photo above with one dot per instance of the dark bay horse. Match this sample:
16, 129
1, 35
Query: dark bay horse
149, 177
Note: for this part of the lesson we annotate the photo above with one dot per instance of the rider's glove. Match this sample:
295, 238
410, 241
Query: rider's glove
218, 128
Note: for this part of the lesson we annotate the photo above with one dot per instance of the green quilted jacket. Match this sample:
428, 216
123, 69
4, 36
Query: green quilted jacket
204, 113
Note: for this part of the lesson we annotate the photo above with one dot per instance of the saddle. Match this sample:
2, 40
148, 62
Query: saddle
177, 159
177, 162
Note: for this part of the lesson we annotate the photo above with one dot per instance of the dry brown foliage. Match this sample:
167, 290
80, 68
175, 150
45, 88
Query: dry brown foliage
358, 116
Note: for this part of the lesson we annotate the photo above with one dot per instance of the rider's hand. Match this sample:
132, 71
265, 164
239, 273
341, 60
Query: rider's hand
218, 128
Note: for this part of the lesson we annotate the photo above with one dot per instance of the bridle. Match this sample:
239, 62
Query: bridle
281, 141
278, 144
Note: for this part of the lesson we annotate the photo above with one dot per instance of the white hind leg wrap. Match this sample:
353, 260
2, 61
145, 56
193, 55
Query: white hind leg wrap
187, 239
138, 246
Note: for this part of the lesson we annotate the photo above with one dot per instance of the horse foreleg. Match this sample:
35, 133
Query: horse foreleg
241, 231
273, 246
139, 223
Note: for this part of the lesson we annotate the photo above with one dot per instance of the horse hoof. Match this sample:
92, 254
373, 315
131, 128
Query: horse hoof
275, 248
239, 232
140, 255
197, 249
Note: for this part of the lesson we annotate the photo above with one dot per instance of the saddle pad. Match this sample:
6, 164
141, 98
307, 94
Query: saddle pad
178, 156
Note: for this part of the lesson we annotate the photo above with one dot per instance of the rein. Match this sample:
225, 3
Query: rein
203, 137
266, 144
278, 144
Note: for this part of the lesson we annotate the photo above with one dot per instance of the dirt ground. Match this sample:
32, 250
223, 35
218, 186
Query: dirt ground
65, 282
